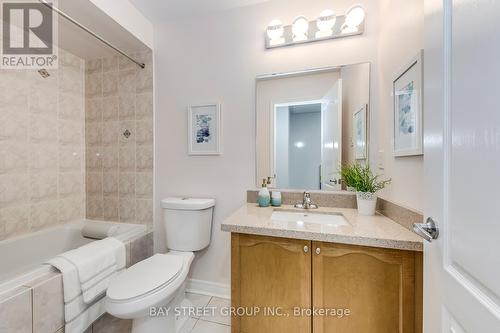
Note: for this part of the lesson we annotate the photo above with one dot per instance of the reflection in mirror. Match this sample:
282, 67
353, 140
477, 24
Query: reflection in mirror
310, 123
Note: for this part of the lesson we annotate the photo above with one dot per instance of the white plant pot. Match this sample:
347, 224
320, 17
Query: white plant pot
367, 203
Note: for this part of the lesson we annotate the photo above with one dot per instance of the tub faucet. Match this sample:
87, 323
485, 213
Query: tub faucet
306, 202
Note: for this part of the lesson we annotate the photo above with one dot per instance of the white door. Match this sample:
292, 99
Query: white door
331, 145
462, 165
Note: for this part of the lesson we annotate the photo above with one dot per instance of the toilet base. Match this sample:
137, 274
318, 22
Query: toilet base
171, 322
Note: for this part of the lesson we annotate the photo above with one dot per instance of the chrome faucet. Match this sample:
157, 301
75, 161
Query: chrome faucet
306, 202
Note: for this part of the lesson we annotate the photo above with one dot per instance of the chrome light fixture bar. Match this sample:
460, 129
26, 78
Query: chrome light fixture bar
327, 26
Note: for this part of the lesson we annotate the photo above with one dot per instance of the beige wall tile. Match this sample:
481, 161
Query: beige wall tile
13, 157
93, 109
126, 106
109, 84
93, 134
14, 122
14, 190
126, 184
141, 248
126, 81
16, 311
124, 63
70, 184
70, 132
110, 183
44, 214
43, 99
144, 158
144, 131
43, 129
48, 304
127, 210
110, 208
144, 106
43, 157
110, 108
110, 133
94, 206
72, 209
14, 221
94, 182
13, 88
71, 158
93, 66
144, 185
110, 64
144, 79
144, 211
70, 80
43, 187
110, 159
93, 159
71, 106
93, 85
127, 159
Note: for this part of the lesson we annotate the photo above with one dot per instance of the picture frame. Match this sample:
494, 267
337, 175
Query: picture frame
360, 131
407, 91
204, 129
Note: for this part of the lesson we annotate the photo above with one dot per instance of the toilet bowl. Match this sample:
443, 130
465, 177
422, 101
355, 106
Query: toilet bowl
152, 292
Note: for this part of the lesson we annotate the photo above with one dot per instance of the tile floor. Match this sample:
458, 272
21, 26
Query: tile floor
208, 323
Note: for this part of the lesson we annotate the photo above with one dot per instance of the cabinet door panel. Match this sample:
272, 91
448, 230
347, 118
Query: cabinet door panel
376, 285
270, 272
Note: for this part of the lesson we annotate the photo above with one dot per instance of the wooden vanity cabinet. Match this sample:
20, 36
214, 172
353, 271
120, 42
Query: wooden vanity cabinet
381, 288
268, 273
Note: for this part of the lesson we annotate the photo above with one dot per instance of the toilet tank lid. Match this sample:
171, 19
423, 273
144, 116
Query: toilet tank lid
187, 203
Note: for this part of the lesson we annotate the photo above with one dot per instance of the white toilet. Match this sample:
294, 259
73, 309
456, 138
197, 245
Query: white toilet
159, 281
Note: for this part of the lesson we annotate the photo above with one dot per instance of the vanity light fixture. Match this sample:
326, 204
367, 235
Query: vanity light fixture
275, 32
325, 23
300, 29
354, 17
327, 26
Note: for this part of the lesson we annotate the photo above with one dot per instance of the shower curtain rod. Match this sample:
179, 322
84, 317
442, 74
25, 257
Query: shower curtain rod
81, 26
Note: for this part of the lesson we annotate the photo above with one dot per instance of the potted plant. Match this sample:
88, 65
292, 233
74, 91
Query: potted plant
366, 184
347, 174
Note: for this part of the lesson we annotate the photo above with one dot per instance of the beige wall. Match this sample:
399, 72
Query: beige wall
42, 156
119, 97
401, 38
355, 94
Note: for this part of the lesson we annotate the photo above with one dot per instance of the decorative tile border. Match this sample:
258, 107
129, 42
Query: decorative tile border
399, 214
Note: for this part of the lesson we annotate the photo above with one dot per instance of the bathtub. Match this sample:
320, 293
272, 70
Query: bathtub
22, 258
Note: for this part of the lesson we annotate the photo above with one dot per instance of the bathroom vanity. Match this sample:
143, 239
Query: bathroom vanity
340, 272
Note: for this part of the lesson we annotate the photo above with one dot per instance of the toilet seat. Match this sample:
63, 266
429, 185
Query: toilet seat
151, 282
145, 277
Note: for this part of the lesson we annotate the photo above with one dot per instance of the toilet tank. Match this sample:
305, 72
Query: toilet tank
187, 223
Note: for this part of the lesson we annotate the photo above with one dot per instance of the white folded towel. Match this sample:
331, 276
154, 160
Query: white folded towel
86, 273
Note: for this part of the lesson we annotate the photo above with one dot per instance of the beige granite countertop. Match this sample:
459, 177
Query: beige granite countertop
376, 231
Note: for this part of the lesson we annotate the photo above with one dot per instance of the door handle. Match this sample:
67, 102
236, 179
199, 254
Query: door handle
427, 230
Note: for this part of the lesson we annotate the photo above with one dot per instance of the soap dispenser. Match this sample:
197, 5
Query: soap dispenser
264, 196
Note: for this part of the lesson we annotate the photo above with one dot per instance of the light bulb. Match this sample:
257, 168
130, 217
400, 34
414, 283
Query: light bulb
300, 29
354, 17
326, 22
275, 32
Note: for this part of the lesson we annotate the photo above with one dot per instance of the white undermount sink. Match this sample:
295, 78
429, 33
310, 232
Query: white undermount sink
330, 219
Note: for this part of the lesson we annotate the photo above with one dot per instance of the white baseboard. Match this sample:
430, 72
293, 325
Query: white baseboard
208, 288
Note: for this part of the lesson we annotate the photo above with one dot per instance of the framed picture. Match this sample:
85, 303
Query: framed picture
360, 130
204, 129
407, 111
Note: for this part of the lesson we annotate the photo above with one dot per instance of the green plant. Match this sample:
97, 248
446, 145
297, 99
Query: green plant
366, 181
362, 178
347, 174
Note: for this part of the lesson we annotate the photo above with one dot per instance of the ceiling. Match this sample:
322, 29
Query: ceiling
84, 45
161, 10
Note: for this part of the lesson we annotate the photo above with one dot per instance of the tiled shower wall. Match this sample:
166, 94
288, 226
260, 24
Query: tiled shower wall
119, 139
42, 125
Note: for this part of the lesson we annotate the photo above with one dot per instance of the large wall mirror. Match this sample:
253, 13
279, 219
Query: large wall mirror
309, 123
